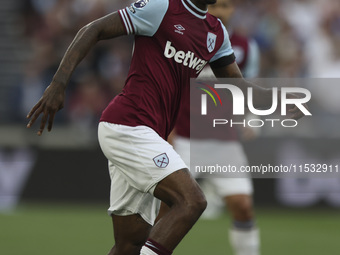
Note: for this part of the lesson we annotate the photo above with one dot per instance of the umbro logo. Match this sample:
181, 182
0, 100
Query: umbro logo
179, 29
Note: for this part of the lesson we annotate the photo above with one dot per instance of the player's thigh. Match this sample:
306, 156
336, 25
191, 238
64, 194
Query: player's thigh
237, 195
139, 153
226, 187
127, 200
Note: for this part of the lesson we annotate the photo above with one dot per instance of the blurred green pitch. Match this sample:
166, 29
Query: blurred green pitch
56, 229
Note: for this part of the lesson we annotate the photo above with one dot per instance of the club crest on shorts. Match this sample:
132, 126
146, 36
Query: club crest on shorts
211, 41
140, 3
161, 160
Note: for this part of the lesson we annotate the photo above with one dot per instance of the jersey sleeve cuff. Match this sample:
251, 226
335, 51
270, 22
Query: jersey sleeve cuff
223, 61
125, 17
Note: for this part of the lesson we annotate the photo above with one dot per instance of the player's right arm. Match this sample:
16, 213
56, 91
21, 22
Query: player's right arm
106, 27
141, 18
52, 100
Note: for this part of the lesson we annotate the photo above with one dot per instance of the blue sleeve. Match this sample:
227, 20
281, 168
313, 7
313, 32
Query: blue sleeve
226, 49
144, 16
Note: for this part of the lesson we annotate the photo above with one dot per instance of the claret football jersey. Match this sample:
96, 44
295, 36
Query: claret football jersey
247, 59
174, 40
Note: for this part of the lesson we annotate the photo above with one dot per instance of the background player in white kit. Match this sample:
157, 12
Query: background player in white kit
236, 193
170, 48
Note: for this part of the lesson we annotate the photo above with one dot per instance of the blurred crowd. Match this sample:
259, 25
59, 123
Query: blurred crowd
297, 38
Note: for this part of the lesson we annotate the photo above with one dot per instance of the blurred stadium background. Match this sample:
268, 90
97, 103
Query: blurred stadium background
54, 189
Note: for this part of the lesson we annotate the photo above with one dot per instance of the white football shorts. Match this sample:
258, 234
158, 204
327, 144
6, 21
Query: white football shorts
138, 159
213, 151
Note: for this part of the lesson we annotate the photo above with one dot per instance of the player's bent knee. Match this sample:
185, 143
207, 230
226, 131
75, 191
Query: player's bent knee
181, 192
200, 207
193, 200
193, 205
196, 206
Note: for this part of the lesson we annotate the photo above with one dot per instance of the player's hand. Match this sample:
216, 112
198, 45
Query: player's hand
248, 133
294, 112
48, 105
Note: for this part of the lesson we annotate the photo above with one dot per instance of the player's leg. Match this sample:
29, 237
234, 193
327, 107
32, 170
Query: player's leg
186, 203
182, 146
131, 230
144, 166
130, 233
244, 235
237, 195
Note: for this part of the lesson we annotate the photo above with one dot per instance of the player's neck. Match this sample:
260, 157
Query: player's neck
200, 4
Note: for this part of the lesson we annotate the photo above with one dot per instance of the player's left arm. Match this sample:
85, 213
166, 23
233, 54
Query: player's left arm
262, 97
223, 65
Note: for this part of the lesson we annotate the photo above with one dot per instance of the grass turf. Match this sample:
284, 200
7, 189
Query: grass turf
53, 229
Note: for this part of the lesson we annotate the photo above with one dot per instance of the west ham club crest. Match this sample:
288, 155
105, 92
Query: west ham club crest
211, 41
161, 160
